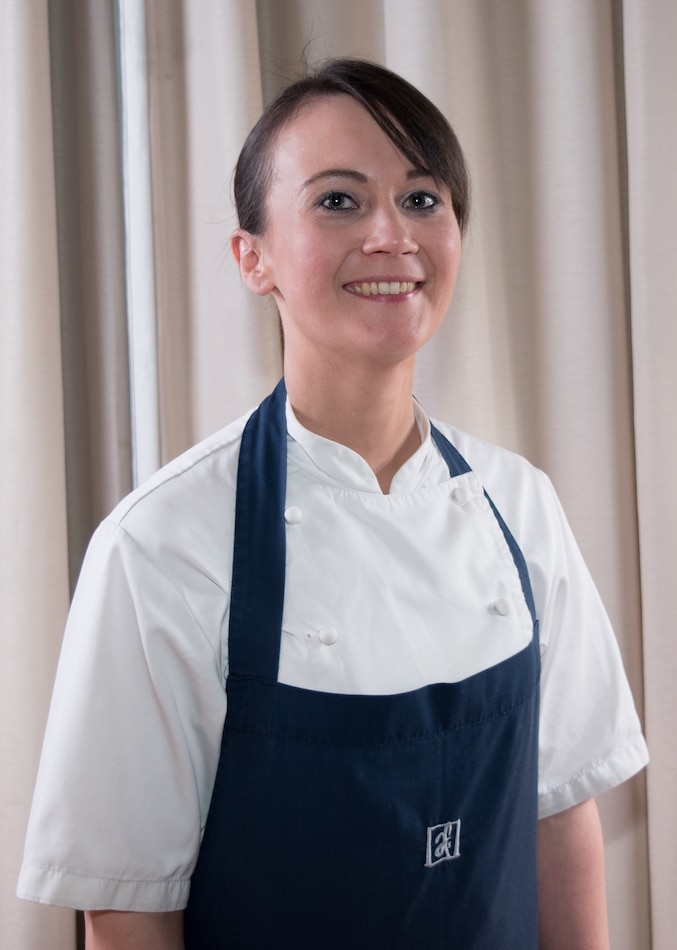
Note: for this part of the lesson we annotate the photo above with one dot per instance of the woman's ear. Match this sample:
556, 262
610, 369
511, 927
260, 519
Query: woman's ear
246, 249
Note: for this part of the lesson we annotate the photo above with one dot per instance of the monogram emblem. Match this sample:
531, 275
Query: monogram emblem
443, 843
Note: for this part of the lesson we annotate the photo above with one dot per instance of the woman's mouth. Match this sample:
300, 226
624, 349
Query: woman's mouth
381, 287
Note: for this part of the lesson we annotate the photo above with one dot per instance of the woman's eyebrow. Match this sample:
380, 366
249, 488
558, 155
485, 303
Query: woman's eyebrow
419, 172
335, 173
350, 173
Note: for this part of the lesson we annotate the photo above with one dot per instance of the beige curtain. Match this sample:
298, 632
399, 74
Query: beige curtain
651, 109
558, 343
34, 574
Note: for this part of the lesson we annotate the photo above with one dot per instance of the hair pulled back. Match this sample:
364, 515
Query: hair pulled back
415, 126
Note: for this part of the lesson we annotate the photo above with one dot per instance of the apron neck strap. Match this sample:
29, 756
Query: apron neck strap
458, 466
257, 590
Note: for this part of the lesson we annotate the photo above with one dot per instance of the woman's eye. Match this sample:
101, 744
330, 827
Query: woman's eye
420, 201
337, 201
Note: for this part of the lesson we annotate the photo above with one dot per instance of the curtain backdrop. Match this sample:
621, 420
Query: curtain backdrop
558, 344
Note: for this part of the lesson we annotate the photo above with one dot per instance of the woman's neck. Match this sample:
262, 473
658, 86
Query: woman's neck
372, 413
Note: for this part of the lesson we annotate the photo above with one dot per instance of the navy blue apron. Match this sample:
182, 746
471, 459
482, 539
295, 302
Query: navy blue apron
342, 822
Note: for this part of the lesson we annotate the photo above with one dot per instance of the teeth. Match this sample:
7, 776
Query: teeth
383, 287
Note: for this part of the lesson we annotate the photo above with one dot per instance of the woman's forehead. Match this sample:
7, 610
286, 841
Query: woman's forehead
333, 132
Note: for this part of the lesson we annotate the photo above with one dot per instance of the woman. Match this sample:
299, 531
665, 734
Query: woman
393, 642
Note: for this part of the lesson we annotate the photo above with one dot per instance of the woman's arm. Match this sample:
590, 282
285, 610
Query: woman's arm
117, 930
572, 892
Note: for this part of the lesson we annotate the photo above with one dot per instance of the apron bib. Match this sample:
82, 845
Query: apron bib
344, 822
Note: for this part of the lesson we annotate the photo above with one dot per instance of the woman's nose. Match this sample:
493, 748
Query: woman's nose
389, 232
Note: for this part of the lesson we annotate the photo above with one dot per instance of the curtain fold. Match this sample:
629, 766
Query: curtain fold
651, 96
34, 572
91, 257
558, 344
219, 349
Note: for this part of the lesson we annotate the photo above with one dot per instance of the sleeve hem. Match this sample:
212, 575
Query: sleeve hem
81, 892
595, 779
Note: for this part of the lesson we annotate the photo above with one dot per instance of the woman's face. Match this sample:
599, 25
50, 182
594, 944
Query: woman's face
360, 250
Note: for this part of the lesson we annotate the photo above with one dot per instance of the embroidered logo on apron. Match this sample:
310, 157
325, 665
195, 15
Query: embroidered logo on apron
444, 843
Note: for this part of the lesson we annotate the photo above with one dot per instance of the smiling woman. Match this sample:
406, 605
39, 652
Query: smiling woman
320, 667
348, 216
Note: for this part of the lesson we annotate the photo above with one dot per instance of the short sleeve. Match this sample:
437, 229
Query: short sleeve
133, 737
590, 735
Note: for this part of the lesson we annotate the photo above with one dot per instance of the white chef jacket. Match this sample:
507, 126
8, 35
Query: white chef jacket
374, 585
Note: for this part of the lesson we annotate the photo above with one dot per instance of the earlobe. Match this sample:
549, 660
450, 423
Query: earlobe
245, 248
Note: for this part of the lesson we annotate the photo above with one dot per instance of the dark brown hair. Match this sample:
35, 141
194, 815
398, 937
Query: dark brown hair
414, 125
